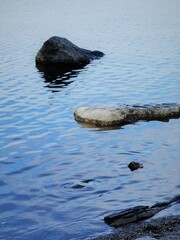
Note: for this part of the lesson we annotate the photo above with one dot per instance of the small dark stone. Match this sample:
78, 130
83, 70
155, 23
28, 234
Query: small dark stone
87, 180
138, 213
77, 186
135, 165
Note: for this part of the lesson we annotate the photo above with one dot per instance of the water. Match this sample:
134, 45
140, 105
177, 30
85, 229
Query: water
45, 154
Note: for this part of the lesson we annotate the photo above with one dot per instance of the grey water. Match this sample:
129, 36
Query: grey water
45, 156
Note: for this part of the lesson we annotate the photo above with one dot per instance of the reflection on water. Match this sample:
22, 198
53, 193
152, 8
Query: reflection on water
56, 76
104, 128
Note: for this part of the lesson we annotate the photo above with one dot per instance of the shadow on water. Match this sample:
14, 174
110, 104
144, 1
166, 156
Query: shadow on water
56, 77
104, 128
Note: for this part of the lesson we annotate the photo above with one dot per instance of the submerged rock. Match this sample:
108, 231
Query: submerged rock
111, 117
77, 186
62, 52
82, 184
135, 165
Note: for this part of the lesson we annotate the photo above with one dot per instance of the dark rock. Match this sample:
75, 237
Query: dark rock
135, 165
87, 180
137, 213
62, 52
77, 186
130, 215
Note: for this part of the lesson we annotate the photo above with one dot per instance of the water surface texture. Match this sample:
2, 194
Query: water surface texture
58, 179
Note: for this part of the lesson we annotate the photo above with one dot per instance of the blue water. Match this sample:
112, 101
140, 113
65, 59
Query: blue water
45, 153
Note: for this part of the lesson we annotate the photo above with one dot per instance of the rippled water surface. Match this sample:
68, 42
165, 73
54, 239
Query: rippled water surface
58, 179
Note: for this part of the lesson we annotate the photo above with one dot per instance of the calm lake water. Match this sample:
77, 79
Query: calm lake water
45, 153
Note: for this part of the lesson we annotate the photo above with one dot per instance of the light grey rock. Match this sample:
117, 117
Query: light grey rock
58, 50
103, 117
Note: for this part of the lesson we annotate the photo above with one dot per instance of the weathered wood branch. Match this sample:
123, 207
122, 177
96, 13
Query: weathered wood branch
137, 213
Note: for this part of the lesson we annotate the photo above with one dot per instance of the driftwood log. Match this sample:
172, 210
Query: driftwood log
137, 213
103, 117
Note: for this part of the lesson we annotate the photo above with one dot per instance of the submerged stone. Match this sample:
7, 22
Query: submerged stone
112, 116
77, 186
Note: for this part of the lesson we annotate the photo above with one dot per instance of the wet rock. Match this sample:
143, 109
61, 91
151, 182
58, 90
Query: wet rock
137, 213
130, 215
111, 116
135, 165
62, 52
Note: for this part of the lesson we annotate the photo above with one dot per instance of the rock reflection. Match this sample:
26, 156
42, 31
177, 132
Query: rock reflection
57, 77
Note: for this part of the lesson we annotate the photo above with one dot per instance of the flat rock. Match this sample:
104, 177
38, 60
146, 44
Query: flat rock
103, 117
